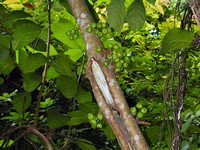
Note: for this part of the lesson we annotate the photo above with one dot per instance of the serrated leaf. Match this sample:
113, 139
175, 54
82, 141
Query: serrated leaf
31, 81
29, 63
136, 15
176, 39
25, 32
22, 102
84, 96
62, 65
74, 54
55, 119
67, 86
85, 144
77, 117
116, 13
6, 66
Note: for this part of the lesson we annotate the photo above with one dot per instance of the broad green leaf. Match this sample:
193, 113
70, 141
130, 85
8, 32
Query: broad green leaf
67, 86
6, 66
22, 102
31, 81
4, 53
62, 65
185, 145
77, 117
153, 133
51, 73
60, 29
136, 15
84, 96
89, 107
4, 41
52, 51
176, 39
152, 1
74, 54
185, 126
55, 119
66, 5
25, 32
34, 138
2, 11
85, 144
14, 16
108, 132
29, 63
116, 14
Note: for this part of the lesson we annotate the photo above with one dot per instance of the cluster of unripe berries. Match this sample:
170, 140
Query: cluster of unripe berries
72, 34
95, 121
138, 110
101, 30
115, 53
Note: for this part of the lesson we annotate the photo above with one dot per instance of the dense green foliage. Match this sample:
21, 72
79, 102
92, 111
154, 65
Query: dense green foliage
142, 39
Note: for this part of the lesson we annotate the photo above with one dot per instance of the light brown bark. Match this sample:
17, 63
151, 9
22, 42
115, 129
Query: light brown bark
117, 114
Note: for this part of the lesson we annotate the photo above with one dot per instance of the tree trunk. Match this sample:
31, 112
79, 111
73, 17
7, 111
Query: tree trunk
107, 91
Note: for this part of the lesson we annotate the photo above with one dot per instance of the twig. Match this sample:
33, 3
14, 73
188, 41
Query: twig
45, 67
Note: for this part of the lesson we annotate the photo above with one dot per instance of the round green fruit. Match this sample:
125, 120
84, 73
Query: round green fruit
99, 116
71, 37
133, 110
99, 125
125, 65
104, 31
68, 33
110, 45
91, 116
73, 31
139, 105
103, 38
109, 57
89, 29
144, 110
75, 36
93, 122
93, 25
117, 70
116, 47
99, 25
106, 63
98, 49
139, 114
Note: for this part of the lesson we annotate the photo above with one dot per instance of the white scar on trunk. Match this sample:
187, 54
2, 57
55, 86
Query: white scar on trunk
101, 82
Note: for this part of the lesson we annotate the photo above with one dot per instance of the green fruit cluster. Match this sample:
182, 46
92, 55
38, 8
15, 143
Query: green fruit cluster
101, 30
116, 54
95, 121
119, 56
72, 34
138, 110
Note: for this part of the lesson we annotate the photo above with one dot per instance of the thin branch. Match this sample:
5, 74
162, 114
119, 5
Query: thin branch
45, 66
42, 137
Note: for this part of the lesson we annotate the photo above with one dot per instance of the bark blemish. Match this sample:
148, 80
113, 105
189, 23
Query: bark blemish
83, 15
136, 138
